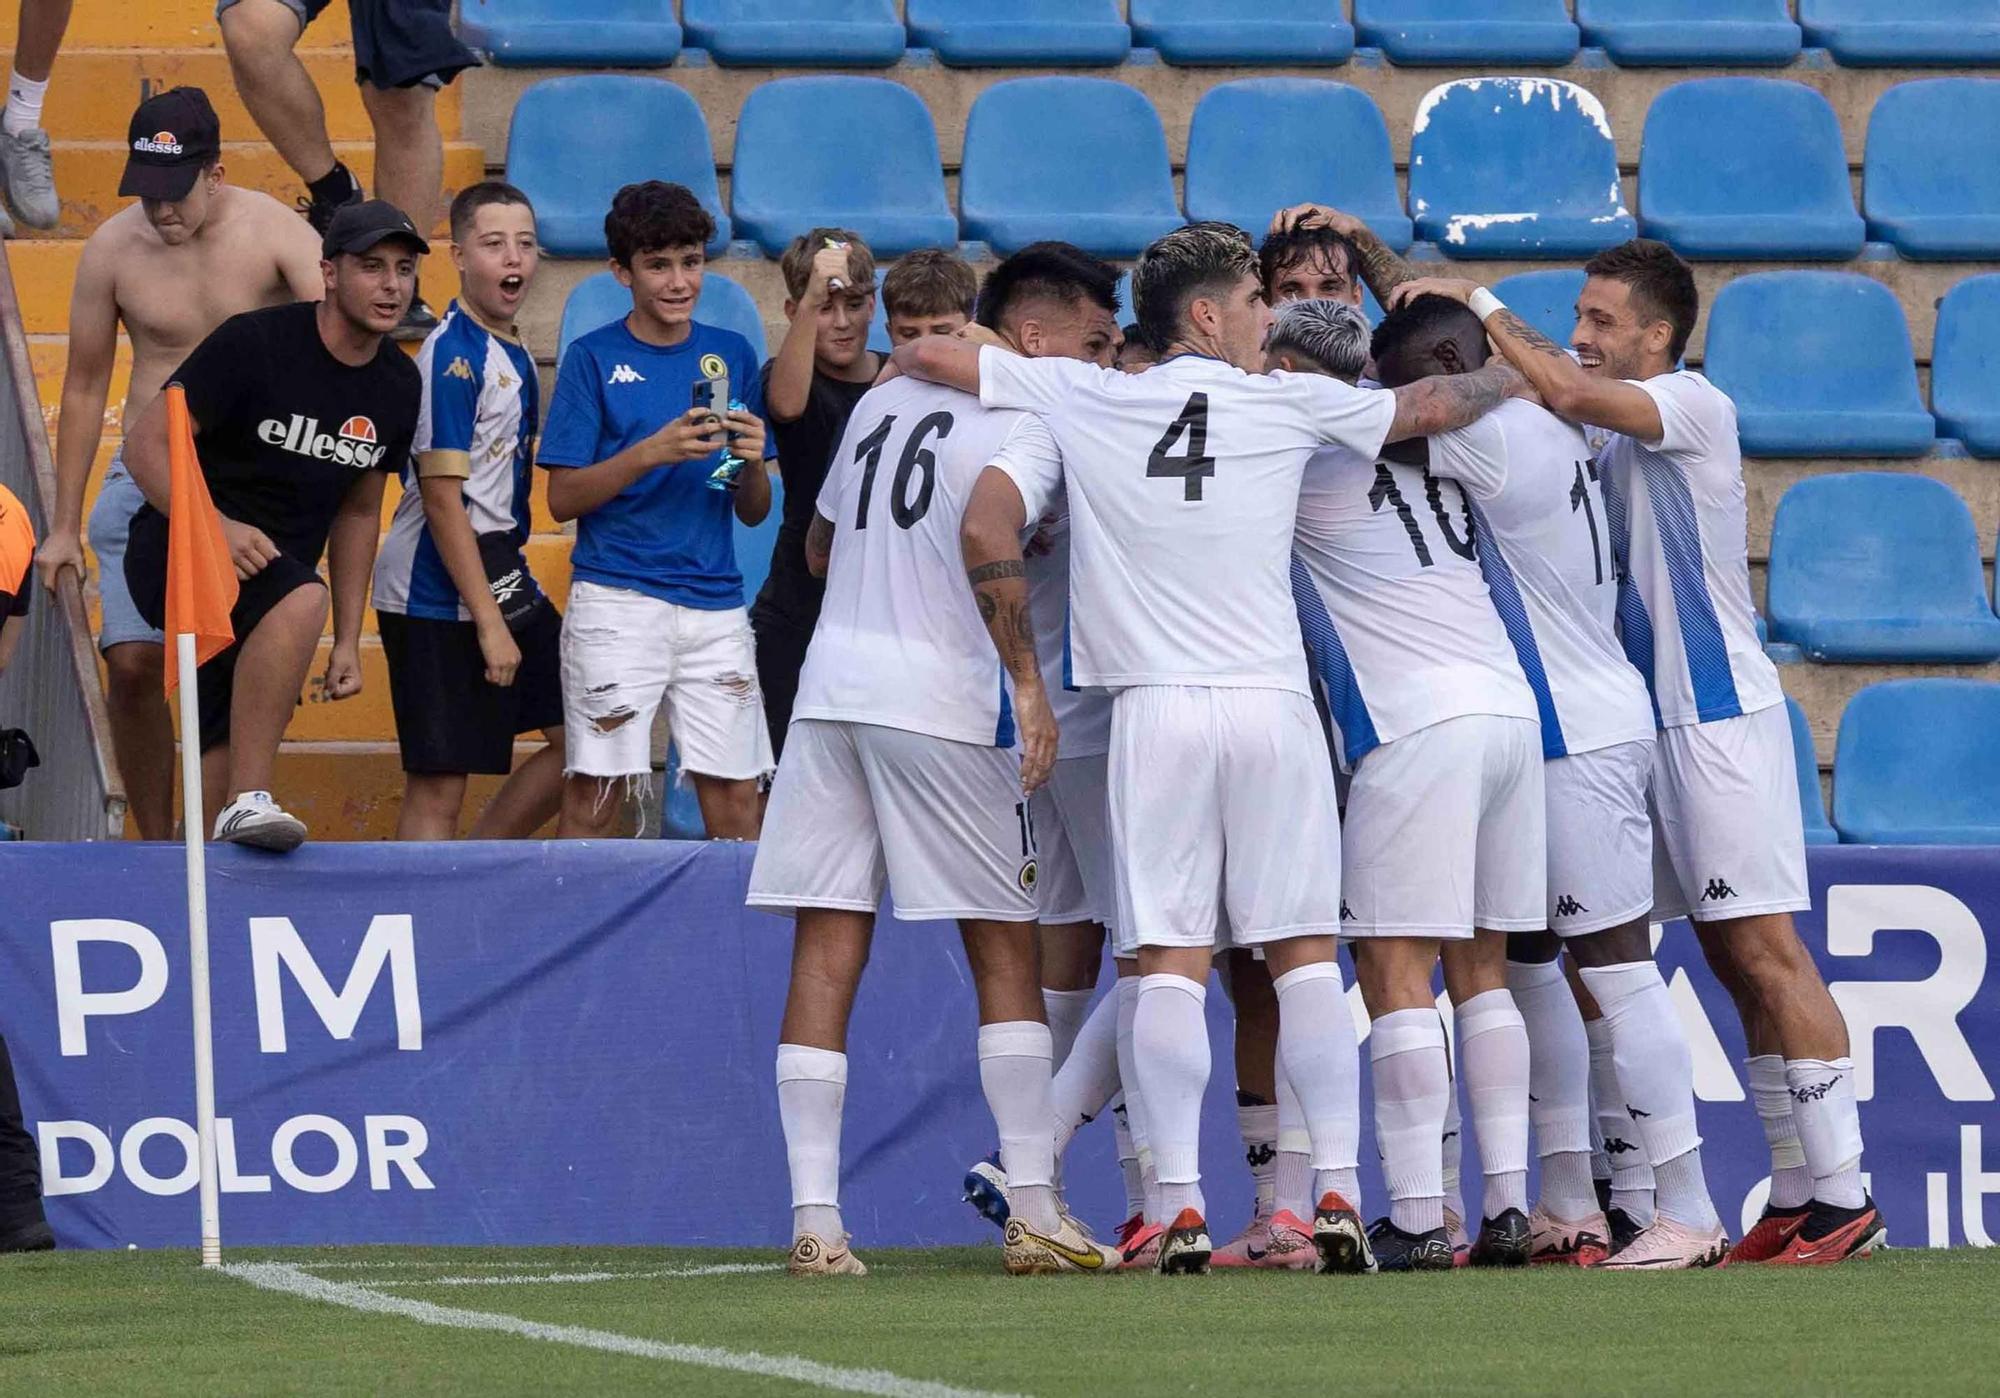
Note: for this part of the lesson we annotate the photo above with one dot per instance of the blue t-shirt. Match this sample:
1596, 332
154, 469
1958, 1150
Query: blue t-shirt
667, 534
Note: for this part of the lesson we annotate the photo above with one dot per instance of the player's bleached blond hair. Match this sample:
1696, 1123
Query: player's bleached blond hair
1332, 334
1202, 259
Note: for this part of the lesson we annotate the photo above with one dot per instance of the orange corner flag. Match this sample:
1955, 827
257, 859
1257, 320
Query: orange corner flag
201, 579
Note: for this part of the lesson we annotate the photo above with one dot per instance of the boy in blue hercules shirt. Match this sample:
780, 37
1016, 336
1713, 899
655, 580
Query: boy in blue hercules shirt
656, 609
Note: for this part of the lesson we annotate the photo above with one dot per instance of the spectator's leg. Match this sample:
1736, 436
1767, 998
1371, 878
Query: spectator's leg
20, 1168
42, 24
259, 35
142, 734
409, 149
529, 799
25, 162
270, 672
431, 804
730, 809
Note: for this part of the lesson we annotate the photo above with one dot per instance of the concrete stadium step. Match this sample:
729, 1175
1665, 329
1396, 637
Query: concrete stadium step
1977, 482
166, 24
87, 175
1823, 691
354, 791
93, 91
950, 92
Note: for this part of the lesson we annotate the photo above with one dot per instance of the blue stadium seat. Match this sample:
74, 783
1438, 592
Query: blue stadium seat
1083, 159
1451, 31
1875, 566
1965, 365
1017, 33
798, 164
1916, 764
630, 129
1746, 168
1546, 300
1699, 33
1812, 801
599, 299
1865, 33
545, 33
1819, 364
1930, 181
1263, 144
1290, 32
1515, 167
783, 33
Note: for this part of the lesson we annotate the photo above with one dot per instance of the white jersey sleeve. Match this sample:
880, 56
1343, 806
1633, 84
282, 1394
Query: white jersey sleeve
1009, 380
1029, 459
1343, 415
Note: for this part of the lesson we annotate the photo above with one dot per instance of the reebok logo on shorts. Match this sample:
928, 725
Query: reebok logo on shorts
625, 373
1717, 889
1567, 906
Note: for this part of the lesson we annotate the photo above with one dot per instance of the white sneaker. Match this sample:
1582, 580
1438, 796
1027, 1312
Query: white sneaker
813, 1256
30, 175
1026, 1253
255, 819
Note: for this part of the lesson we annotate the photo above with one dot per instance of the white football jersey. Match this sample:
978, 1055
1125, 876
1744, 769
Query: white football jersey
1680, 525
1082, 715
1183, 483
1545, 548
1392, 603
899, 641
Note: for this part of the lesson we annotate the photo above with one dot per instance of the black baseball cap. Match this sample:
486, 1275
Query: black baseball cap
172, 139
359, 226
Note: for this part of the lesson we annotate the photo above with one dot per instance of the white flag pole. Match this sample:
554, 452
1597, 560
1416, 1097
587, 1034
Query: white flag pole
197, 899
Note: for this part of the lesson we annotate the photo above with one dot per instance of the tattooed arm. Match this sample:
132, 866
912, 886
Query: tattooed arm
990, 538
1446, 402
819, 545
1380, 267
1564, 385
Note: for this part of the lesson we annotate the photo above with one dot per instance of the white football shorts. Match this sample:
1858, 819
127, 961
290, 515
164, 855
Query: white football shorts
1728, 840
1600, 838
1445, 833
1221, 802
854, 804
1072, 820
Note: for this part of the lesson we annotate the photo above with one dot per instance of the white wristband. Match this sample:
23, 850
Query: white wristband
1484, 303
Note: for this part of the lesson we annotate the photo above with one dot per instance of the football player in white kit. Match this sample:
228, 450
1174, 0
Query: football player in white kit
1728, 843
1180, 485
1443, 845
1544, 547
899, 764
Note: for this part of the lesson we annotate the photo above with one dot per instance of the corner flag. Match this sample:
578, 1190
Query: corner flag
201, 579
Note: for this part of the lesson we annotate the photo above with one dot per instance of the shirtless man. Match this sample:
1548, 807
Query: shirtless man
189, 255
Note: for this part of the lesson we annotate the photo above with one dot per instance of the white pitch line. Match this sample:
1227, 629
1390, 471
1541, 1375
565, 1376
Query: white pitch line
286, 1278
718, 1269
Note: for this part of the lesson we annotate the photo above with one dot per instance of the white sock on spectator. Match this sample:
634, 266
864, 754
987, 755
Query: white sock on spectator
1014, 1072
812, 1087
1170, 1043
24, 104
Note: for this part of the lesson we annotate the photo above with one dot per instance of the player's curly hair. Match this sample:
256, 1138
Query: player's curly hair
1202, 259
1308, 241
1063, 271
653, 215
1332, 334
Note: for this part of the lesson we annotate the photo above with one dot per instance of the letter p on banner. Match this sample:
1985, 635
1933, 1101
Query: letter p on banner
201, 578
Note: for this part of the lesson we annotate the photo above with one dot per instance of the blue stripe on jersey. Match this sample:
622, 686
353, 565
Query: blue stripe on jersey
1520, 630
1329, 659
432, 592
1003, 731
1713, 682
1069, 659
1635, 623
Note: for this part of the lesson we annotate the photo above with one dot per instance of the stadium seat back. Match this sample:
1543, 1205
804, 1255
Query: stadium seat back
1515, 167
1082, 159
1700, 33
575, 141
843, 152
1871, 32
1875, 566
1262, 144
1930, 181
1290, 32
1746, 168
600, 299
1916, 764
1545, 300
1041, 33
783, 33
1451, 31
528, 33
1819, 364
1965, 365
1812, 800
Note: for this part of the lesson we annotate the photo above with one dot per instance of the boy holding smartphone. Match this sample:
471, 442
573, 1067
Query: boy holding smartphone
637, 447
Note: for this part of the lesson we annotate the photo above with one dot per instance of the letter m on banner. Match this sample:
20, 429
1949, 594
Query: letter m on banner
390, 942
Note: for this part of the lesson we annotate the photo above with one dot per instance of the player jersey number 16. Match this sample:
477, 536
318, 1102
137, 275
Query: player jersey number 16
917, 458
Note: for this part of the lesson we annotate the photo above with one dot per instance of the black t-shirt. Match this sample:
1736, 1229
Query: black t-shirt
281, 426
791, 593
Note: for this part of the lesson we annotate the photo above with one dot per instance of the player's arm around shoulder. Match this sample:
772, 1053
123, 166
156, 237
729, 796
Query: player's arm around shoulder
1444, 402
990, 540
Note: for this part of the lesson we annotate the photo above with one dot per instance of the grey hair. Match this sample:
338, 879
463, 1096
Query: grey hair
1172, 271
1332, 334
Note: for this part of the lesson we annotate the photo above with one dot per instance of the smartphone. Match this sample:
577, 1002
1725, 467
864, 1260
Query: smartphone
712, 394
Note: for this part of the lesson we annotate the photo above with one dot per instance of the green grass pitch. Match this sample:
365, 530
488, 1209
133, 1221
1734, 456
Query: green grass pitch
932, 1324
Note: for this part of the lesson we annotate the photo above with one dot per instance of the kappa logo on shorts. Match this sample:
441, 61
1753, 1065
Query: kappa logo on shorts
625, 373
1717, 890
159, 143
1617, 1145
1346, 913
460, 369
1566, 906
1263, 1153
1815, 1092
1029, 876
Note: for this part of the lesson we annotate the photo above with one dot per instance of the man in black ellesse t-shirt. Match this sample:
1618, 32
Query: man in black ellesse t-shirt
301, 414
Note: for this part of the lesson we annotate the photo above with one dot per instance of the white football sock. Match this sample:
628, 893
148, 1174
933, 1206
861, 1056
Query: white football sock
1829, 1127
1493, 1060
1014, 1073
1292, 1182
1322, 1063
1558, 1086
1257, 1124
1656, 1082
812, 1087
1412, 1085
1128, 1159
1451, 1144
1088, 1078
1135, 1100
1791, 1181
24, 104
1170, 1044
1066, 1011
1631, 1172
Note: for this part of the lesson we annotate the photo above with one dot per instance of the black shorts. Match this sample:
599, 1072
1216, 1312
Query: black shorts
397, 43
146, 579
449, 720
